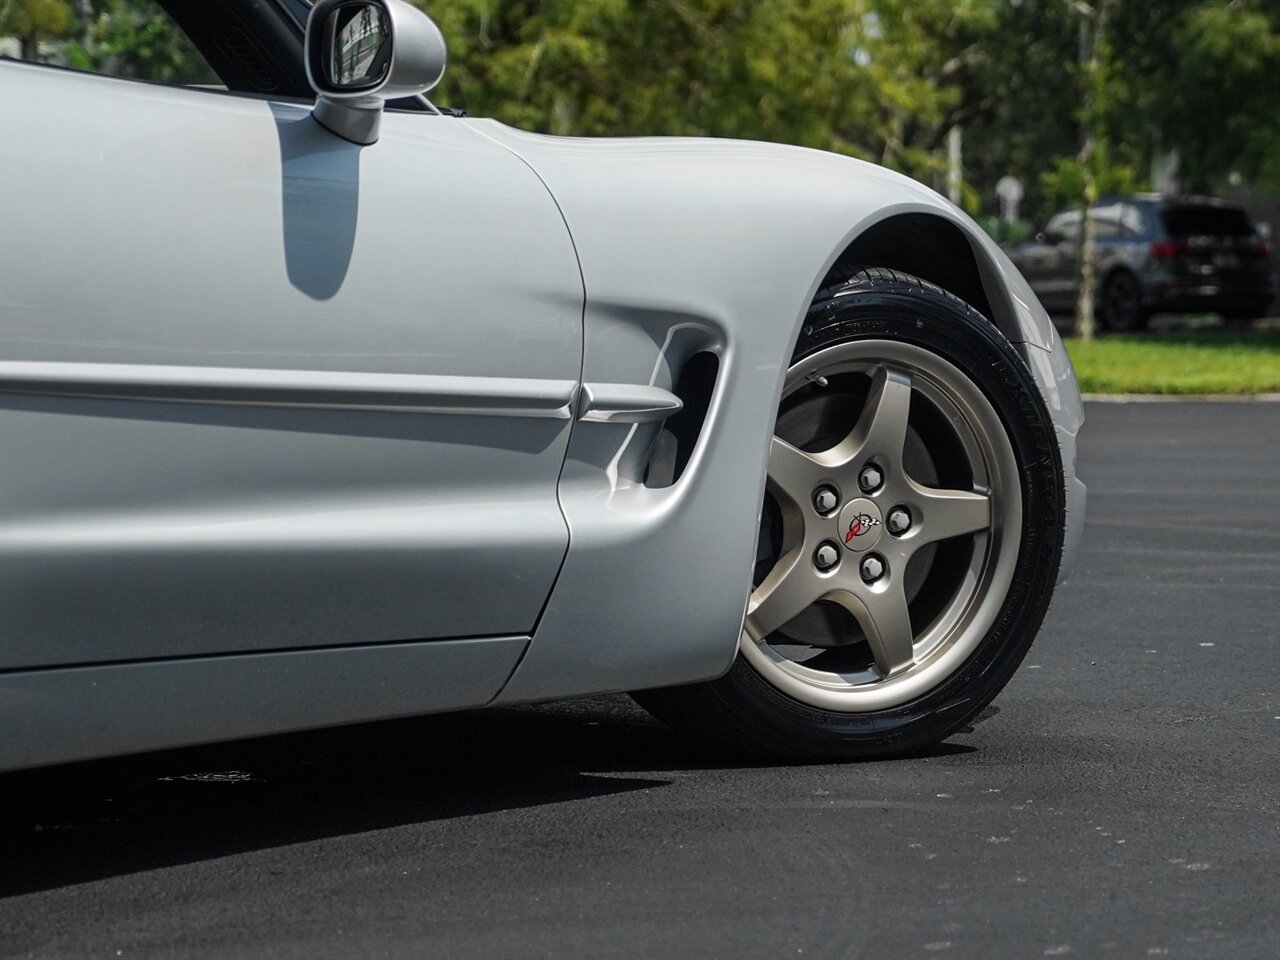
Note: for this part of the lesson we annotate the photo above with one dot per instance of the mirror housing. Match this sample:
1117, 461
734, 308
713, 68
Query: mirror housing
362, 53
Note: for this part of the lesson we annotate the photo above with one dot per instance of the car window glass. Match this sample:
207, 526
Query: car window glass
1106, 221
1131, 219
122, 38
1064, 226
1203, 220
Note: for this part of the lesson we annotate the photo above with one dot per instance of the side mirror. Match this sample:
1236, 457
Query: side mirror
362, 53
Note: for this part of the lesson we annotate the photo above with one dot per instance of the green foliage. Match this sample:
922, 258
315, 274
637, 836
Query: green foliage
604, 67
129, 38
1019, 231
1196, 76
1223, 92
34, 21
1063, 183
134, 38
880, 79
886, 79
1208, 361
40, 18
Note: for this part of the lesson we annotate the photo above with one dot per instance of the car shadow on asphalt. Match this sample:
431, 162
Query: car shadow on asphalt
89, 821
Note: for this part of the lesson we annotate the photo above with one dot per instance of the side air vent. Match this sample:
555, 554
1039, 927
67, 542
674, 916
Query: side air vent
679, 437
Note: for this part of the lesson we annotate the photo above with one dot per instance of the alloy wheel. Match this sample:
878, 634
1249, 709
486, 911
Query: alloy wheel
890, 532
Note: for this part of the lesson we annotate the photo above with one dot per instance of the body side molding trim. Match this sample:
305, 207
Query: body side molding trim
626, 403
408, 393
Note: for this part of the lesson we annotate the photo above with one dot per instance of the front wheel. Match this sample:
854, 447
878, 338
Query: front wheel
909, 538
1122, 309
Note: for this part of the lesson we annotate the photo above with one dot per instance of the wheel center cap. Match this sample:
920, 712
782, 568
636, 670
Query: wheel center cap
860, 525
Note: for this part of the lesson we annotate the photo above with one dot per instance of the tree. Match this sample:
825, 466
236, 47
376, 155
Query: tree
32, 21
1213, 90
1094, 64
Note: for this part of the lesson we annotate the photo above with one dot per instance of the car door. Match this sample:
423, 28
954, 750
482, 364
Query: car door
1110, 236
264, 389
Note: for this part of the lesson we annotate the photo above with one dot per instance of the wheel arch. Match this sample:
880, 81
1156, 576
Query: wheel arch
933, 248
1111, 271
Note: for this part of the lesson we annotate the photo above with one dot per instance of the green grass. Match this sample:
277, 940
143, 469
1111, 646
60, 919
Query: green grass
1202, 361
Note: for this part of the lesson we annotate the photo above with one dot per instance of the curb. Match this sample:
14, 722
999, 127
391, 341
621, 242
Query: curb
1182, 398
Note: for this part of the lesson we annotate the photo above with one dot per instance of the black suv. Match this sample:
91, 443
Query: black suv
1155, 255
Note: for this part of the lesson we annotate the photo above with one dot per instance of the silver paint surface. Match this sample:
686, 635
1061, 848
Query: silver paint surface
84, 712
180, 245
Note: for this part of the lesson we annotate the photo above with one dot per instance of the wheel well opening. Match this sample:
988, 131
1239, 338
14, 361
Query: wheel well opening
926, 246
1111, 274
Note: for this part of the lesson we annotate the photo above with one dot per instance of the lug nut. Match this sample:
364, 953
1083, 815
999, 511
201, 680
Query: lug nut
899, 520
825, 499
826, 556
872, 568
870, 478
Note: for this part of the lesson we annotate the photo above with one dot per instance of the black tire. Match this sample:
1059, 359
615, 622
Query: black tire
744, 711
1122, 308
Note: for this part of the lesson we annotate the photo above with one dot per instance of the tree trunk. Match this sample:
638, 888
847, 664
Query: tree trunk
1093, 27
1087, 250
84, 11
955, 164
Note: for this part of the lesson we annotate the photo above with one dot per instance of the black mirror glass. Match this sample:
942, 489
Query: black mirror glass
360, 46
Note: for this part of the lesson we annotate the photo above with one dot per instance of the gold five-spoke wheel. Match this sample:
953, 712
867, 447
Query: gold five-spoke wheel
902, 408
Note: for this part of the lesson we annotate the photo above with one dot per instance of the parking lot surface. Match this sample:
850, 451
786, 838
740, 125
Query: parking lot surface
1121, 803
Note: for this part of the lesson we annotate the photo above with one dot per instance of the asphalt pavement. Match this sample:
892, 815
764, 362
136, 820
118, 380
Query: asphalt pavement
1122, 802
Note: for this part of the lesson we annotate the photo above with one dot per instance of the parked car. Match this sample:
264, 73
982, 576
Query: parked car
319, 408
1154, 255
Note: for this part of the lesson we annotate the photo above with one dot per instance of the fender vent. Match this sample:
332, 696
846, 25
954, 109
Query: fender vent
679, 437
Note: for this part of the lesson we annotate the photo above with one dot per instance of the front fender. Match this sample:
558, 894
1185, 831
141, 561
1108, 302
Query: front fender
688, 246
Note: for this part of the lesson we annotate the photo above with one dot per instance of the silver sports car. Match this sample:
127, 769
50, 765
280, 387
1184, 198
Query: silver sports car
326, 407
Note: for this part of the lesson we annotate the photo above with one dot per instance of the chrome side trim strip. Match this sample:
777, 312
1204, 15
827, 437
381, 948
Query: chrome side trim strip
408, 393
626, 403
